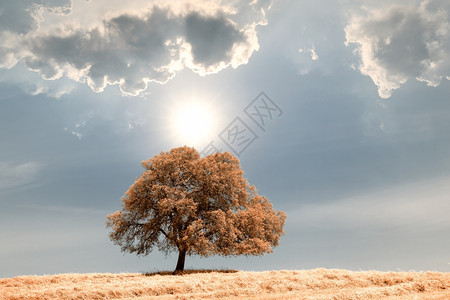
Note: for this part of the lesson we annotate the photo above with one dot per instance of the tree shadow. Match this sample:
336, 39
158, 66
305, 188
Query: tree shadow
188, 272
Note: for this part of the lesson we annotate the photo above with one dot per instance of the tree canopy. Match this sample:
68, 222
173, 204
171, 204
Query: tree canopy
195, 205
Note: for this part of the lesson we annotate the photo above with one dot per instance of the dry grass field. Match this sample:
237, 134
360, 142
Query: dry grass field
309, 284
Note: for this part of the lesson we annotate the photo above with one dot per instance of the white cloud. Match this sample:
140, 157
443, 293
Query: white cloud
418, 206
78, 128
306, 65
130, 48
33, 84
16, 175
312, 52
23, 16
399, 42
76, 134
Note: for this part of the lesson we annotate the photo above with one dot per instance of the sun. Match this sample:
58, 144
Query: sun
192, 123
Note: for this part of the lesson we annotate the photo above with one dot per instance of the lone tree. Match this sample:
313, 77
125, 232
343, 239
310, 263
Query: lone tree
195, 205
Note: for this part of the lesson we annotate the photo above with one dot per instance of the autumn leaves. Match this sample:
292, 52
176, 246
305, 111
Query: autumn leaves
195, 205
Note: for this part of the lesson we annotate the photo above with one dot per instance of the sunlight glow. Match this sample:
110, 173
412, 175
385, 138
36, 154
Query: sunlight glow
192, 123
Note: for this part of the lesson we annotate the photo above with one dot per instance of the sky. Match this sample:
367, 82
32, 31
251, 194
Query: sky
342, 109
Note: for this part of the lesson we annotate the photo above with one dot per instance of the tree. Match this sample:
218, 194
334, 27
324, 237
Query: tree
195, 205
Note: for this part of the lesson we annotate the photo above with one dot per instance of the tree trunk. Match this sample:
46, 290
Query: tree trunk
181, 259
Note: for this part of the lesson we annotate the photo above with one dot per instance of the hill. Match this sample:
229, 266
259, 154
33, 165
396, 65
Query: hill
306, 284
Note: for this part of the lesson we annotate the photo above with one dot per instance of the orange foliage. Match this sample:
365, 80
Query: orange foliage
195, 205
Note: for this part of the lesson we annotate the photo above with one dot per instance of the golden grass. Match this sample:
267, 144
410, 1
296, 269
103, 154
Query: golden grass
308, 284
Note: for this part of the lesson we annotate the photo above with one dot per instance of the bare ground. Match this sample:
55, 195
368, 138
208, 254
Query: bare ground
306, 284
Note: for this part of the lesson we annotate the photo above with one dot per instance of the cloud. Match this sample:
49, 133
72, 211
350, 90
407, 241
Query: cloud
309, 63
78, 129
314, 55
33, 84
421, 206
16, 175
312, 52
18, 18
399, 42
23, 16
131, 49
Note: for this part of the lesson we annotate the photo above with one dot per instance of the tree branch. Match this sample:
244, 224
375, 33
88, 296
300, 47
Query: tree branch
163, 232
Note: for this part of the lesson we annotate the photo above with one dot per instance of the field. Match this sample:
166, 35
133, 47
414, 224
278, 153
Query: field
307, 284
